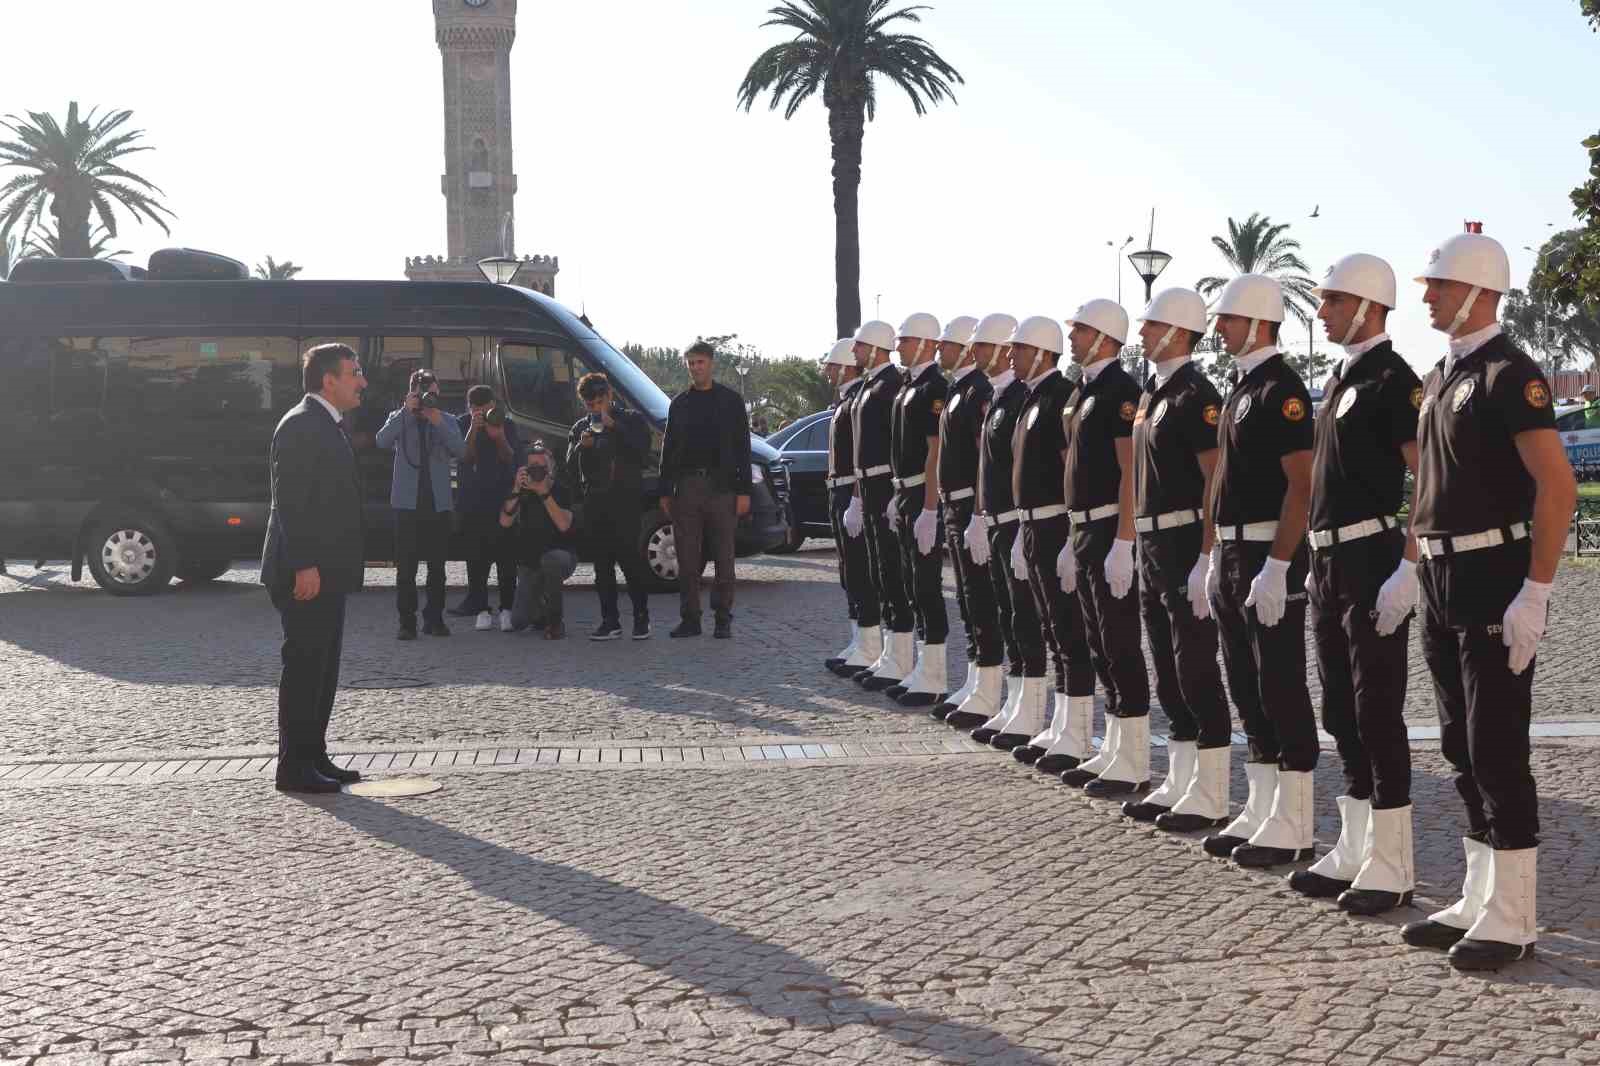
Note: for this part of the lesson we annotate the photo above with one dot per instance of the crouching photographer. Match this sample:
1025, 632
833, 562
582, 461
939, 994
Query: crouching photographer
542, 525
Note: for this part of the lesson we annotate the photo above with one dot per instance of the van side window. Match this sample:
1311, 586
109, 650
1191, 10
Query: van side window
78, 374
541, 381
452, 365
206, 377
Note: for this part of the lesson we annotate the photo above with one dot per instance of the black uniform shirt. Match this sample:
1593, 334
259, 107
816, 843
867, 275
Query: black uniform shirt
1037, 443
958, 431
1176, 421
1099, 416
1266, 416
1357, 471
1471, 475
916, 418
870, 412
841, 436
994, 464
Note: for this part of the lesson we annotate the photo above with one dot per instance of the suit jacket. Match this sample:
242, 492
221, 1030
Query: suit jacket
733, 427
316, 517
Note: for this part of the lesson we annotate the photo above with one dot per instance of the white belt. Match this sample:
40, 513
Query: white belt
992, 520
909, 482
873, 471
840, 482
1432, 547
1039, 514
1094, 514
958, 494
1327, 538
1249, 531
1170, 520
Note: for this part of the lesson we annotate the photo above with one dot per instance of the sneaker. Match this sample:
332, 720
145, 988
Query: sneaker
641, 627
464, 609
485, 622
505, 621
436, 629
555, 631
607, 631
724, 629
686, 628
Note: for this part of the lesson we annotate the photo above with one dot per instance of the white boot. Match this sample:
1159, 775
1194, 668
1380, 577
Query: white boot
930, 680
869, 647
1058, 721
1205, 802
1505, 930
1262, 778
1180, 771
1335, 871
1108, 743
898, 660
1032, 709
1007, 711
849, 649
1129, 769
959, 696
1289, 833
1075, 743
1387, 876
1443, 928
984, 702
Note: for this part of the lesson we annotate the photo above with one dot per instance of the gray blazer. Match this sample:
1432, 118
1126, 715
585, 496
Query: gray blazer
401, 433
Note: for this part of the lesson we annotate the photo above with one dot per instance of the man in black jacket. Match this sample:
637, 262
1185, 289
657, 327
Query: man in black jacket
312, 557
607, 449
705, 486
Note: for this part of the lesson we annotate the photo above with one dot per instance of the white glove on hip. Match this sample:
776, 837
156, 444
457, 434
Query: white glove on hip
852, 518
977, 538
1195, 588
891, 513
1397, 597
1269, 592
926, 530
1019, 565
1067, 569
1523, 624
1119, 568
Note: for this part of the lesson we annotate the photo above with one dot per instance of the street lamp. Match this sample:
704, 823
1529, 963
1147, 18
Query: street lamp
1116, 258
1148, 264
499, 269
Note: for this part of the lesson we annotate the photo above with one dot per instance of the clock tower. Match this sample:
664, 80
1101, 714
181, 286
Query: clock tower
479, 182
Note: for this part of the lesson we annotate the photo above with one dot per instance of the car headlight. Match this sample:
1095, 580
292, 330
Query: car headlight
757, 474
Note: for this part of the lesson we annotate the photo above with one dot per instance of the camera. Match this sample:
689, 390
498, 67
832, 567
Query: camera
596, 423
538, 471
429, 401
494, 416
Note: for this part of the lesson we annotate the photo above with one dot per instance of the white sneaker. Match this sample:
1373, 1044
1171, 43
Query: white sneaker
485, 622
505, 620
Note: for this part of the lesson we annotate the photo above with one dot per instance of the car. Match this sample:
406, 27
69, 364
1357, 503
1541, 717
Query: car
802, 448
1582, 444
144, 402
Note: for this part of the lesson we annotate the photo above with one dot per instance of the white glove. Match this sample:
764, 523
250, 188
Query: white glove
1119, 568
1019, 565
1067, 569
852, 517
977, 538
1269, 592
1198, 589
892, 513
926, 530
1523, 624
1397, 597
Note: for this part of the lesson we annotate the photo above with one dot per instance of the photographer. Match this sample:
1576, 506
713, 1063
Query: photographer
542, 527
424, 442
607, 451
485, 473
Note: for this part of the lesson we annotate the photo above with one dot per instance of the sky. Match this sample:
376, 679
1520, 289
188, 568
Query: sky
312, 130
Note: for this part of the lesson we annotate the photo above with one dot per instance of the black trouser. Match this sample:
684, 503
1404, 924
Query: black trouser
420, 537
1110, 625
1020, 630
1042, 542
1267, 664
1182, 647
975, 593
488, 543
855, 569
612, 531
313, 640
923, 575
1363, 675
883, 553
1484, 709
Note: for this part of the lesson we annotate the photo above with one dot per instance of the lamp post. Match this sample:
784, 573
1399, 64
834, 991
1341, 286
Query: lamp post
499, 269
1148, 264
1116, 259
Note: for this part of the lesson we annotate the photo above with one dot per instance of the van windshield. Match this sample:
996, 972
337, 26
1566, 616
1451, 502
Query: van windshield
628, 377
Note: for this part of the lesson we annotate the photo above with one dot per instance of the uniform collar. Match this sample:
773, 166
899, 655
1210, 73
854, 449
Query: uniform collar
919, 372
1002, 381
1093, 370
1036, 382
1352, 352
963, 373
877, 371
1247, 363
333, 412
1169, 367
1461, 347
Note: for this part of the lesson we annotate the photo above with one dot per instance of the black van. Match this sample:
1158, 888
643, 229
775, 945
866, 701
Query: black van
139, 409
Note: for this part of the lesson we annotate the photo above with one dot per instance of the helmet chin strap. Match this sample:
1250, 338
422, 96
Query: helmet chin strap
1356, 323
1161, 345
1466, 309
1249, 339
1033, 368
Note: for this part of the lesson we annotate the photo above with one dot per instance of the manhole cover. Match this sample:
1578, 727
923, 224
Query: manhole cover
386, 682
393, 787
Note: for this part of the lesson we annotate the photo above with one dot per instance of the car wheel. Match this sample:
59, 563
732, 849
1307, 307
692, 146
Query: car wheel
131, 554
199, 571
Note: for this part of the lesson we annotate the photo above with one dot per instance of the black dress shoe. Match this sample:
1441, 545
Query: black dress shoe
1027, 754
834, 663
847, 671
896, 690
1144, 810
1315, 885
408, 631
983, 736
436, 629
1367, 902
1077, 777
1221, 845
328, 768
966, 721
1431, 934
874, 683
1009, 741
1105, 787
1257, 857
1172, 822
1470, 954
942, 709
917, 699
686, 628
298, 777
1054, 764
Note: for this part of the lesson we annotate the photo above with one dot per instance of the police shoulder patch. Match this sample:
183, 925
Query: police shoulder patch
1211, 414
1416, 398
1294, 409
938, 405
1536, 394
1127, 410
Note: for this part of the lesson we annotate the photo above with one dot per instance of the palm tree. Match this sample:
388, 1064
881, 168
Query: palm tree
47, 242
838, 48
9, 254
1257, 246
74, 169
272, 270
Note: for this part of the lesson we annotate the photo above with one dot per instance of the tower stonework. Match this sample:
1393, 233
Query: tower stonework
479, 182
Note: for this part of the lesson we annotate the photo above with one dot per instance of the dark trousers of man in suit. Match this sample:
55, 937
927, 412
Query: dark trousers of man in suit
313, 641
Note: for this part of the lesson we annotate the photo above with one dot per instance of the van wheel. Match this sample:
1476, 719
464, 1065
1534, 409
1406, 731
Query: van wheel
202, 570
660, 550
131, 554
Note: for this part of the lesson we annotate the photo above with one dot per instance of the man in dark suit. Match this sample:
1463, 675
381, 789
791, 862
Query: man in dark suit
312, 558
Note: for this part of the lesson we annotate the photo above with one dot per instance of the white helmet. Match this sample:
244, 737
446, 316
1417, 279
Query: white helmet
1176, 309
1106, 316
995, 329
920, 326
843, 353
1253, 296
1364, 276
1039, 331
960, 330
1475, 260
876, 333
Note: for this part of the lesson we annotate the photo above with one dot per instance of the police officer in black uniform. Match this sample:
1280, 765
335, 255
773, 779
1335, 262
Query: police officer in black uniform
870, 414
1363, 587
1495, 496
914, 455
1257, 576
1099, 559
866, 641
